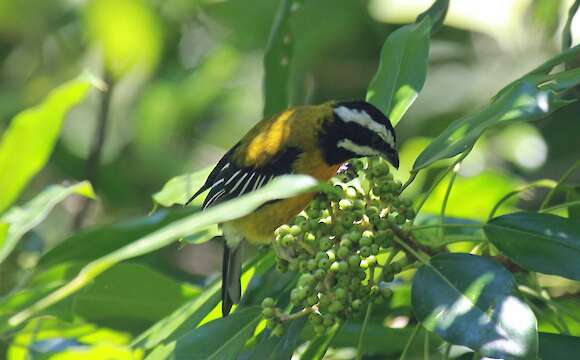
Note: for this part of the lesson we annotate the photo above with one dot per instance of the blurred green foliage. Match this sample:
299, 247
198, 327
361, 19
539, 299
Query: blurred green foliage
186, 80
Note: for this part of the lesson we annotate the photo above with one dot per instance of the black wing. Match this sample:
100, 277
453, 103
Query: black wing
228, 180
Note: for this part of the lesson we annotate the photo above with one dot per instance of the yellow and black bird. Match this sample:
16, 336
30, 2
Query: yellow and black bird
311, 140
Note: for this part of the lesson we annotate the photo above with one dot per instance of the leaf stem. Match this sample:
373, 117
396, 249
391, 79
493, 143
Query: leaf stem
410, 341
409, 181
426, 347
560, 206
446, 198
94, 160
541, 183
359, 351
562, 180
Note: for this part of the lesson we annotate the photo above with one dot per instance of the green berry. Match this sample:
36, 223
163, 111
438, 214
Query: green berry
342, 266
350, 192
356, 304
282, 230
345, 204
375, 249
335, 306
371, 260
331, 255
328, 321
343, 252
306, 280
311, 265
325, 244
354, 261
295, 230
365, 251
388, 275
396, 267
324, 264
354, 236
334, 266
365, 241
268, 312
340, 294
386, 293
400, 219
288, 240
359, 204
315, 319
364, 264
311, 300
320, 274
309, 236
345, 242
268, 302
278, 330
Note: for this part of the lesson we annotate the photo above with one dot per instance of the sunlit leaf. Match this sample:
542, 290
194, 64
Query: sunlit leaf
163, 334
23, 219
539, 242
127, 32
28, 142
489, 186
280, 188
525, 101
277, 61
469, 300
131, 297
178, 190
402, 70
48, 336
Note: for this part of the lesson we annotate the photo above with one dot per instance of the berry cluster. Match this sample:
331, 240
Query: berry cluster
342, 245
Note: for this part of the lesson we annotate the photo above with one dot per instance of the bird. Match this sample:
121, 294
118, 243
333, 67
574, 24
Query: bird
314, 140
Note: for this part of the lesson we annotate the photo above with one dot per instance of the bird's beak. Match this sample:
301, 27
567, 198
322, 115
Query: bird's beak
393, 158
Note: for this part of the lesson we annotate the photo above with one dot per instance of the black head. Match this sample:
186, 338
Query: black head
358, 129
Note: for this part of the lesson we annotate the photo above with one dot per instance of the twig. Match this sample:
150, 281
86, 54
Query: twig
94, 159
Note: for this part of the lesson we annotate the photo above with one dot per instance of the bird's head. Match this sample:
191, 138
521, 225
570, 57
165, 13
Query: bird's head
358, 129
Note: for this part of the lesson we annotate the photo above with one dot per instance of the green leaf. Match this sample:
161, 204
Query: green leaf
524, 102
572, 195
458, 229
567, 31
220, 339
163, 334
178, 190
280, 188
25, 218
279, 347
131, 297
558, 347
402, 70
27, 143
469, 300
94, 243
277, 60
437, 13
319, 345
539, 242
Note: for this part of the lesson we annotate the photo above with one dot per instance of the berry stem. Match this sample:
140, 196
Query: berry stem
307, 247
359, 351
297, 315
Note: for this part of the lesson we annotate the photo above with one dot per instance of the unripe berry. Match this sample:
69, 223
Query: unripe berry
350, 192
306, 280
282, 230
278, 330
342, 267
365, 241
315, 319
319, 329
386, 293
320, 274
331, 255
354, 261
325, 244
340, 294
335, 306
312, 265
365, 251
396, 267
375, 249
345, 204
311, 300
324, 264
268, 312
371, 260
268, 302
356, 304
288, 240
343, 252
400, 219
345, 242
309, 236
388, 275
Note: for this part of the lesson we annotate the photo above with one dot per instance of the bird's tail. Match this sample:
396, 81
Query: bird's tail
231, 273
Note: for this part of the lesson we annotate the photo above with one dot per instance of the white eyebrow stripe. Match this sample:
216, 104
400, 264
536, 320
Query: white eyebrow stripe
238, 183
233, 177
365, 120
242, 192
213, 198
356, 148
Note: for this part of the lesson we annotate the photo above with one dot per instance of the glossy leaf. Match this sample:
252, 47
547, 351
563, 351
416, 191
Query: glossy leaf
277, 61
178, 190
436, 13
539, 242
131, 297
279, 347
282, 187
469, 300
524, 102
402, 70
220, 339
558, 347
23, 219
27, 143
459, 229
